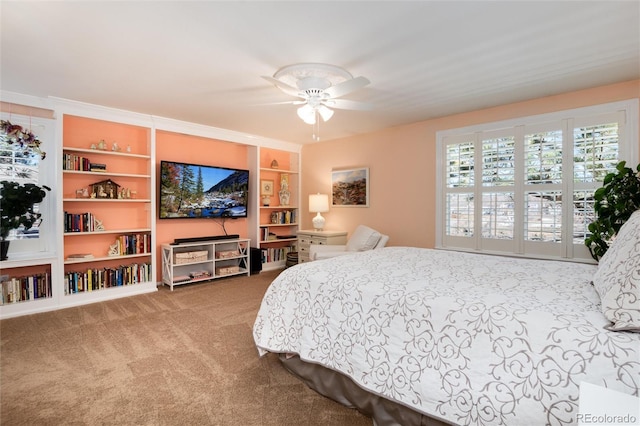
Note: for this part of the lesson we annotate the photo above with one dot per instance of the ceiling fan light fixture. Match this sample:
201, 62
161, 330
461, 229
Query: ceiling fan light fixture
325, 112
307, 113
318, 85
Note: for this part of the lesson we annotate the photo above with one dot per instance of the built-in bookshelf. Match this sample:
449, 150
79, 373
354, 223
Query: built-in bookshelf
21, 286
104, 211
107, 191
27, 285
278, 201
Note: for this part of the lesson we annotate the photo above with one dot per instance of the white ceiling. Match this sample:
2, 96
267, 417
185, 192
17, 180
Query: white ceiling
202, 62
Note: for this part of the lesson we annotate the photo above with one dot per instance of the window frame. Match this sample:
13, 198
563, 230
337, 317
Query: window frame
628, 147
44, 245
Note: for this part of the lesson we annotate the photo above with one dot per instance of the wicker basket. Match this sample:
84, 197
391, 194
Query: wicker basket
225, 254
225, 270
191, 256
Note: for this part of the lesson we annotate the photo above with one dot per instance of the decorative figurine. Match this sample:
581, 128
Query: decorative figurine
102, 145
113, 249
105, 189
115, 147
97, 225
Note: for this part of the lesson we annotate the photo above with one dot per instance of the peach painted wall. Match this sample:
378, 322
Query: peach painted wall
402, 162
171, 147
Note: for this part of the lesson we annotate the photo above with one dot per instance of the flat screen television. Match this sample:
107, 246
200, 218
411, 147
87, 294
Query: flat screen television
201, 191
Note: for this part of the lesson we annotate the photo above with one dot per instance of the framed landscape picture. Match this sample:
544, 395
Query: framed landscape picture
350, 187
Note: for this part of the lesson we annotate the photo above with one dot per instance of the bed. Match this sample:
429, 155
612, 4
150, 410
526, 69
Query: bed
420, 336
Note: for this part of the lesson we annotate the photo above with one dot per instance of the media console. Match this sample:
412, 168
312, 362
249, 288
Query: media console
195, 261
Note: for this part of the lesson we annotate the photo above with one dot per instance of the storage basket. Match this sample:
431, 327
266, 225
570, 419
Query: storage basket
225, 254
225, 270
191, 256
292, 259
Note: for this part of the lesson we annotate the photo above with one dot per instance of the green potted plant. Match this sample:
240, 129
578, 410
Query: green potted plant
17, 208
614, 202
17, 201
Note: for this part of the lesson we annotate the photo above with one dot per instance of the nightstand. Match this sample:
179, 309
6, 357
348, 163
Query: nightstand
308, 237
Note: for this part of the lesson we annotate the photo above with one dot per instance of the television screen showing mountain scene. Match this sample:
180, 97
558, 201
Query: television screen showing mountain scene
200, 191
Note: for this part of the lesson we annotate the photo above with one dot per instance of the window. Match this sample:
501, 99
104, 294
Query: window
21, 168
525, 187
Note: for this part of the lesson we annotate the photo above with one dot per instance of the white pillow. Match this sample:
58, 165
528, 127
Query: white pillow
617, 279
363, 238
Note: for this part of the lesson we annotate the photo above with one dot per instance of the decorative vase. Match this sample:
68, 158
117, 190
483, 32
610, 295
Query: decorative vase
284, 192
4, 249
284, 195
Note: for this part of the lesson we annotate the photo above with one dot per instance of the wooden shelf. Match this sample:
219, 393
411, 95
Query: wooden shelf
110, 231
104, 258
105, 174
106, 200
104, 152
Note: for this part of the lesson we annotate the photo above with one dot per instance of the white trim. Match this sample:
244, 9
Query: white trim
26, 100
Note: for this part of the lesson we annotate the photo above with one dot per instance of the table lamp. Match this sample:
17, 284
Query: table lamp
318, 203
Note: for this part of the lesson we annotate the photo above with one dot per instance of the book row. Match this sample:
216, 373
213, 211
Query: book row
101, 278
79, 222
131, 244
282, 217
275, 254
31, 287
83, 164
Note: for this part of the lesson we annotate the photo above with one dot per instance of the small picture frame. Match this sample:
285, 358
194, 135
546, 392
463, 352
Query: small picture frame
266, 187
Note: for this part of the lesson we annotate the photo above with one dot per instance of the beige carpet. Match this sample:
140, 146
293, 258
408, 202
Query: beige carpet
185, 357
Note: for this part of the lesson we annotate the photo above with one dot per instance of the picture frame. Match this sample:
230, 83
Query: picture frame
266, 187
350, 187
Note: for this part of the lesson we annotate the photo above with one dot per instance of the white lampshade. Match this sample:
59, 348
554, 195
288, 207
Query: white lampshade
318, 203
325, 112
307, 113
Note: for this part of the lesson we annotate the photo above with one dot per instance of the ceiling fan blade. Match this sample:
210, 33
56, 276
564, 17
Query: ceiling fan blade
301, 102
289, 90
283, 103
346, 87
347, 104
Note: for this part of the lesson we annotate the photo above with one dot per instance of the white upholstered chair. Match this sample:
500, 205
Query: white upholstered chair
362, 239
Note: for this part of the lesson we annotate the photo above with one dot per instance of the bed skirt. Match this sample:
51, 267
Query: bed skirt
342, 389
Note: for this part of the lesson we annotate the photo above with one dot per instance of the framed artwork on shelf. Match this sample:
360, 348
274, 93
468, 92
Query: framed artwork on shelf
350, 187
266, 187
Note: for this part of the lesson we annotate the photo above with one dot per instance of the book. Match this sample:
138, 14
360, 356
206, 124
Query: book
80, 256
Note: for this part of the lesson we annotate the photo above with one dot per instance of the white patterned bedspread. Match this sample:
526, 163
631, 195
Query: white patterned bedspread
466, 338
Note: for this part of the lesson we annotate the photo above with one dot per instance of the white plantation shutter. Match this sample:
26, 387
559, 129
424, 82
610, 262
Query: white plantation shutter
526, 186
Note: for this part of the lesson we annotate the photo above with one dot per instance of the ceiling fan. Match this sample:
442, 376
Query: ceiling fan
319, 86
